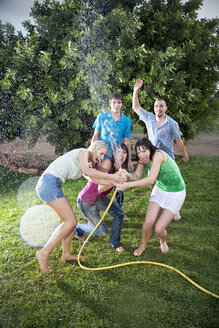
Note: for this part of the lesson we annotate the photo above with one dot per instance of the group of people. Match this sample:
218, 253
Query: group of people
104, 165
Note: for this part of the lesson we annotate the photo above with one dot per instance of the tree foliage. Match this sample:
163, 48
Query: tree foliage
59, 76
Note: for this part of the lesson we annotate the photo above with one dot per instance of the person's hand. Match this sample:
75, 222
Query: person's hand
119, 177
123, 171
122, 186
186, 158
127, 174
138, 84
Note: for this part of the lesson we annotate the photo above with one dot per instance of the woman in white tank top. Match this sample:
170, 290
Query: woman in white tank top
69, 166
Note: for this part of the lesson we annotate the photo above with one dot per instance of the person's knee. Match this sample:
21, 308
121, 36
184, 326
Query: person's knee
159, 230
102, 231
119, 215
71, 224
148, 224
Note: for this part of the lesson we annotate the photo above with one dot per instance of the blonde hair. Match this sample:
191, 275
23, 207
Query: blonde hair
94, 146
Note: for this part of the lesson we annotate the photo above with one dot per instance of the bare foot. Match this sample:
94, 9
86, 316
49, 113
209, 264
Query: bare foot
125, 218
177, 217
120, 249
164, 247
43, 262
69, 257
139, 250
81, 238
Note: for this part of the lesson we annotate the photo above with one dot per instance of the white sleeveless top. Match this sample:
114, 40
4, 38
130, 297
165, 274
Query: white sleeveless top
66, 166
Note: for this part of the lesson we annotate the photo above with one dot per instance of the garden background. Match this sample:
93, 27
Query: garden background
54, 82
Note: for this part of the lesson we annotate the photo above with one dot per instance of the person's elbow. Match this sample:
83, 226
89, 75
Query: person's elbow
95, 136
136, 109
86, 171
152, 180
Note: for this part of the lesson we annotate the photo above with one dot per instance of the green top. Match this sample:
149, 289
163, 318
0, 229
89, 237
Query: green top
169, 178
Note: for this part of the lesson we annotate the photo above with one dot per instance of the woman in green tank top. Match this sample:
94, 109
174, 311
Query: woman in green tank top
168, 192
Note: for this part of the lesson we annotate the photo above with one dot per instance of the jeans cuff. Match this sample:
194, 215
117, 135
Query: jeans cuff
113, 245
78, 232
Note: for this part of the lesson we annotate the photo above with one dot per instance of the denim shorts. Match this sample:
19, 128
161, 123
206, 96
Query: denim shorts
49, 188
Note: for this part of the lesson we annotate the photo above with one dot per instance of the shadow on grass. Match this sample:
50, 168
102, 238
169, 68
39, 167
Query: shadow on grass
131, 303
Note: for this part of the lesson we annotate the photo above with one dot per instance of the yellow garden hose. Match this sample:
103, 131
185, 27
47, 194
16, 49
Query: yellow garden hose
135, 262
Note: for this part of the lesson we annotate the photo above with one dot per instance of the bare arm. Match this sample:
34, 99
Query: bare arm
103, 185
104, 166
138, 173
135, 101
130, 165
151, 179
182, 148
93, 173
95, 136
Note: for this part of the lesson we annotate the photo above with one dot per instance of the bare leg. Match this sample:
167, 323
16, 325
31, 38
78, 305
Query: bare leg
66, 247
66, 214
160, 229
152, 213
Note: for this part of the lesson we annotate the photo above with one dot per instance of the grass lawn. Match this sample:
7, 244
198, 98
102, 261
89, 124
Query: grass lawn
141, 296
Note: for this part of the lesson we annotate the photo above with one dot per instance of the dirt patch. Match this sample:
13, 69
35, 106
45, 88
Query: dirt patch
205, 144
16, 155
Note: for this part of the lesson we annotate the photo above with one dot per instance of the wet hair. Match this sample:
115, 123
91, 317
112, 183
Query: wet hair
94, 146
160, 99
124, 147
145, 144
117, 96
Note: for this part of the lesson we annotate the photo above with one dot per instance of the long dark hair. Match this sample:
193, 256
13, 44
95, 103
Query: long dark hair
145, 144
125, 149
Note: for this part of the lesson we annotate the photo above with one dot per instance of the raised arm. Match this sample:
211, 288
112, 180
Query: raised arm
135, 102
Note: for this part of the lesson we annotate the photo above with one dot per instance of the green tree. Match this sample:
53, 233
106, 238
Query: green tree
47, 81
8, 117
164, 43
180, 61
79, 51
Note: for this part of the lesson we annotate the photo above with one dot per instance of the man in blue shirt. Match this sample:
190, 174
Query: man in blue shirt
113, 126
162, 129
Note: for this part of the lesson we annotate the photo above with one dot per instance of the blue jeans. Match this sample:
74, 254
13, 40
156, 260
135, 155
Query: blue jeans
92, 214
119, 197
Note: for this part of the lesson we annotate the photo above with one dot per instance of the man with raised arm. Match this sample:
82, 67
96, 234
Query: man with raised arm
162, 129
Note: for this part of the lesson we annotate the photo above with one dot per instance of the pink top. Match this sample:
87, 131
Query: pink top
90, 193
